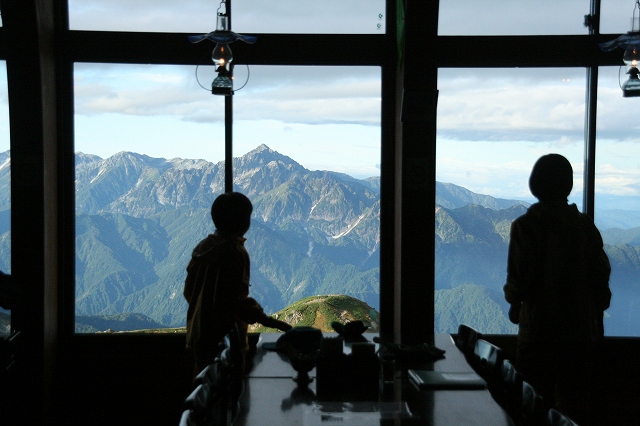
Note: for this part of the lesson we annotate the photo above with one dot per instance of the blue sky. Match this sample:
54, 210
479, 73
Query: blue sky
492, 124
308, 113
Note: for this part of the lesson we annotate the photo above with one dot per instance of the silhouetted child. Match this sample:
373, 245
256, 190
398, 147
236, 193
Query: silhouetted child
217, 283
558, 287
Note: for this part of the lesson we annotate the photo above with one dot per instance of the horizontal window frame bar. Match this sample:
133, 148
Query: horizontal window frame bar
278, 49
525, 51
270, 49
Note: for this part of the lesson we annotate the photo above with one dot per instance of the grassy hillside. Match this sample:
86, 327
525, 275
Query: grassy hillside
320, 311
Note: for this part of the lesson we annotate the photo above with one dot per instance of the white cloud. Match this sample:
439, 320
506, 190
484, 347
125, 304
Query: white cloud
500, 169
288, 94
492, 124
256, 16
308, 113
521, 17
478, 17
513, 115
538, 105
515, 104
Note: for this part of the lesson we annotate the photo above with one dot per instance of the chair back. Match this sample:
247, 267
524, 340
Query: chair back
534, 410
466, 338
509, 389
215, 399
488, 359
201, 406
208, 375
557, 418
187, 419
200, 399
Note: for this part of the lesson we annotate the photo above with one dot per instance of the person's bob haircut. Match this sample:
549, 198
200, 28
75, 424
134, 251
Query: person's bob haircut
551, 178
231, 212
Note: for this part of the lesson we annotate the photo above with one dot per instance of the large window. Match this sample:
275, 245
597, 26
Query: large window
5, 192
149, 162
511, 118
493, 124
617, 199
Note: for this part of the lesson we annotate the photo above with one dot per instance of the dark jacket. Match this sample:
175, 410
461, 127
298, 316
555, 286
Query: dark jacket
557, 274
217, 289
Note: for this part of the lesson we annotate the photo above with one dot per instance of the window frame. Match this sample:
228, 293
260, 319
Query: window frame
175, 49
399, 73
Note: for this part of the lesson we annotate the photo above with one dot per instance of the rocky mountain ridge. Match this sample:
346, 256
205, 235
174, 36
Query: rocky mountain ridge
313, 233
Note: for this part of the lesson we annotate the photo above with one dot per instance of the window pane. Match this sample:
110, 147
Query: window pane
159, 15
144, 135
5, 192
508, 17
150, 145
617, 200
493, 124
616, 16
321, 17
328, 218
199, 16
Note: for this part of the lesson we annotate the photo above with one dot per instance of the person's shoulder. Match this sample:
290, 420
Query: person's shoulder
588, 225
238, 245
205, 245
583, 216
529, 223
531, 215
232, 246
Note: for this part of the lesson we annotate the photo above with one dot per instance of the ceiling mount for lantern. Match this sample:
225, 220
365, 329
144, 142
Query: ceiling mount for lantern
630, 42
222, 56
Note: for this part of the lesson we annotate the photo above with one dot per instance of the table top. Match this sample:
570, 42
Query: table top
268, 363
271, 396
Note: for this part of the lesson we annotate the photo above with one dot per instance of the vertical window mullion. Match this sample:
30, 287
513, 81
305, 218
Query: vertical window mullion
590, 141
228, 143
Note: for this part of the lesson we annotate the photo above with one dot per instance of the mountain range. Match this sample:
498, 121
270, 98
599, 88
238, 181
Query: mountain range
312, 233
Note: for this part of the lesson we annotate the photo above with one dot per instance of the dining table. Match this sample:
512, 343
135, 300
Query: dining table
274, 396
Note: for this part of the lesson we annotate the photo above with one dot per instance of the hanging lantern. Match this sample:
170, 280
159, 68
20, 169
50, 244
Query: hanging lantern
630, 42
222, 56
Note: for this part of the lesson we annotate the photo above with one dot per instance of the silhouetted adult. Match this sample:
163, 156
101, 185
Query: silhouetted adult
217, 283
558, 287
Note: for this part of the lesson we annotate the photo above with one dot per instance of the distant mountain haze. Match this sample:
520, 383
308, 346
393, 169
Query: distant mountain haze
313, 234
140, 217
315, 311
